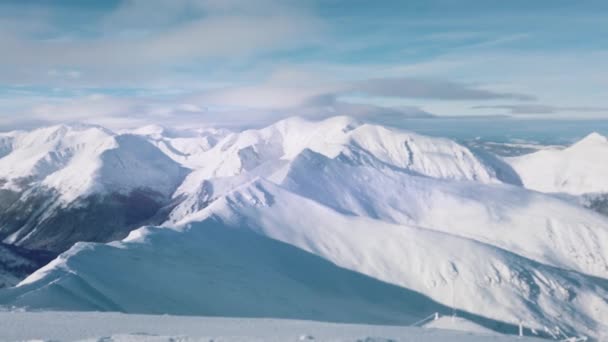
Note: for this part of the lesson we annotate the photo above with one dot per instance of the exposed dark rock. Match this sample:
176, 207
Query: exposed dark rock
597, 202
17, 263
38, 220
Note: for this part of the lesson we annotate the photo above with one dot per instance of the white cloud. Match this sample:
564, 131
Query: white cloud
191, 59
65, 74
212, 37
523, 109
146, 39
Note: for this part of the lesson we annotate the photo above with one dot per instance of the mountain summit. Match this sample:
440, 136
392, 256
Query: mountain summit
576, 170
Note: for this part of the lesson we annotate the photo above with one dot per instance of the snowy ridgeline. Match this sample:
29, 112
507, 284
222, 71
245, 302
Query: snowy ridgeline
335, 221
576, 170
109, 327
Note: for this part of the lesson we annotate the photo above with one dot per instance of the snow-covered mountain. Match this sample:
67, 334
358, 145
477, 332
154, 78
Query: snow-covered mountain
487, 281
212, 265
266, 152
536, 226
186, 146
576, 170
348, 140
334, 220
69, 183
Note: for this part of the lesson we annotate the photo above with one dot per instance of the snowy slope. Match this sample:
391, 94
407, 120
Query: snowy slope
264, 152
537, 226
486, 281
213, 271
59, 184
353, 222
489, 281
578, 169
71, 326
75, 160
344, 138
32, 156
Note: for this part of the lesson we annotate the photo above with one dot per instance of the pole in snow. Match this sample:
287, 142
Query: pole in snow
521, 329
453, 298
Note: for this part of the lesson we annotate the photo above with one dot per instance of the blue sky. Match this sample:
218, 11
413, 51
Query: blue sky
235, 62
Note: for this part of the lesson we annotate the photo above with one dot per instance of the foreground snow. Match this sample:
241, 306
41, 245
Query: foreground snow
70, 326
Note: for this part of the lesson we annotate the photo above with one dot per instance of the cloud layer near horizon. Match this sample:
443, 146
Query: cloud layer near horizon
239, 63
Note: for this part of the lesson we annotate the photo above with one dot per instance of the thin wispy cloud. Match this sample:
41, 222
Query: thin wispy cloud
543, 109
267, 59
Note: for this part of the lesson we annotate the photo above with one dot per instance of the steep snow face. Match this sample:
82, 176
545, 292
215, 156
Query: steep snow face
77, 160
68, 183
534, 225
490, 284
37, 154
578, 169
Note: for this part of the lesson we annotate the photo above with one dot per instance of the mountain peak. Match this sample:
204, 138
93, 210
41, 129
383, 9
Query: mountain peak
594, 138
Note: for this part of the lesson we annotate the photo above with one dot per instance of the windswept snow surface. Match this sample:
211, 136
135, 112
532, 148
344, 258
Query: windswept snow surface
349, 222
115, 327
576, 170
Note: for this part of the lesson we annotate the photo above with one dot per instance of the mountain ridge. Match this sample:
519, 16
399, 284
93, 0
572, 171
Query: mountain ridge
576, 170
423, 214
